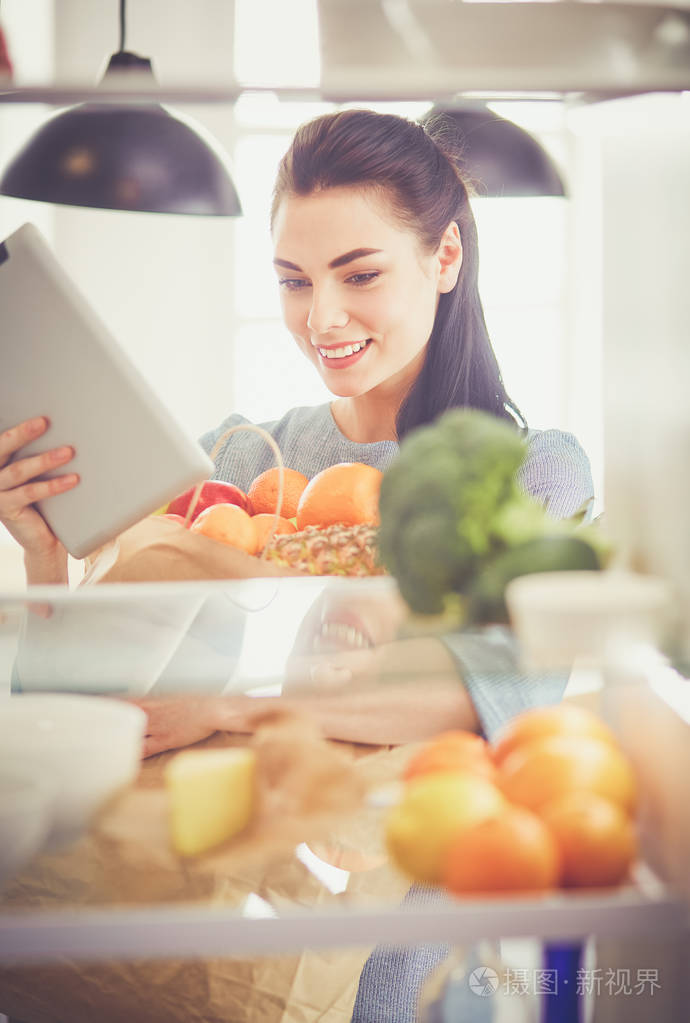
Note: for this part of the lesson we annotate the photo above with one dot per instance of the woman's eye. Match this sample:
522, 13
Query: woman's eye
293, 283
363, 278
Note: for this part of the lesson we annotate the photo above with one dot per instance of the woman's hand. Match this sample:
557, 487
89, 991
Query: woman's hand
177, 721
45, 557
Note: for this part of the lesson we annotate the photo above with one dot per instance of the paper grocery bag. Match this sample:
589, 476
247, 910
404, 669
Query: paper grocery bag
313, 985
162, 550
126, 859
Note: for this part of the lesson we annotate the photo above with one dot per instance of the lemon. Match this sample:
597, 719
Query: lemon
434, 811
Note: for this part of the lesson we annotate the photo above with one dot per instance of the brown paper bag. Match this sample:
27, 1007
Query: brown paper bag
158, 549
126, 859
161, 550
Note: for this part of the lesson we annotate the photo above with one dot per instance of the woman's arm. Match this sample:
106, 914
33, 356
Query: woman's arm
49, 569
383, 712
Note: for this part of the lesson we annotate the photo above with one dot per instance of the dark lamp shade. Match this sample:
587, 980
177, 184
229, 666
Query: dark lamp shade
499, 157
137, 157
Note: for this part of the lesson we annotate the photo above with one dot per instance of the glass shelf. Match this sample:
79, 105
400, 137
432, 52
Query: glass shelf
440, 52
117, 893
641, 909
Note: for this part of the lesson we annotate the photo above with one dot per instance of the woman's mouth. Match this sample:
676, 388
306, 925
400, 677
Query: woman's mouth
344, 355
336, 636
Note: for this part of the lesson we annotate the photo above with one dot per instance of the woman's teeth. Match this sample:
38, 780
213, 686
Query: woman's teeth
341, 634
341, 353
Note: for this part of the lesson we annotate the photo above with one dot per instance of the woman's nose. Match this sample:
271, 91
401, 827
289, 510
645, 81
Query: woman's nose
326, 311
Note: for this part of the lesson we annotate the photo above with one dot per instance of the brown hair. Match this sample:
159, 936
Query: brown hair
416, 167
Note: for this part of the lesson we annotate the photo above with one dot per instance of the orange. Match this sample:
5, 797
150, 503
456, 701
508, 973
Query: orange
266, 525
452, 751
434, 811
545, 768
596, 839
511, 852
228, 524
263, 492
561, 719
344, 493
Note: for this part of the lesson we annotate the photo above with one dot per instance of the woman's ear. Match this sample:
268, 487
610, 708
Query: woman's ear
449, 255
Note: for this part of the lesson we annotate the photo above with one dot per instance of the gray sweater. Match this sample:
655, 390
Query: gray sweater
556, 471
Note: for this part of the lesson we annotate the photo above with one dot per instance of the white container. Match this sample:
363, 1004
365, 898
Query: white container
26, 816
89, 747
559, 617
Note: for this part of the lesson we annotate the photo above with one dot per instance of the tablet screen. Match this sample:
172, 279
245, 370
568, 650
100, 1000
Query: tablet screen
60, 361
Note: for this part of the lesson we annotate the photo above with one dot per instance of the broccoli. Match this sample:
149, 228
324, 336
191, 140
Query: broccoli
450, 505
548, 553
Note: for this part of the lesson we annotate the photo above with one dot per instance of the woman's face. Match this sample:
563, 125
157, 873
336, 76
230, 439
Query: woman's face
340, 640
358, 292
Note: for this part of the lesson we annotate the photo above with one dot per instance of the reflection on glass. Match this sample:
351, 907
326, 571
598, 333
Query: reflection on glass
296, 636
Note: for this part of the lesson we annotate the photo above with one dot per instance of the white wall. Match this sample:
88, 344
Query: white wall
161, 283
646, 268
29, 29
28, 26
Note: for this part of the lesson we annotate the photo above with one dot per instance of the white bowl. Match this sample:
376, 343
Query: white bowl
26, 816
558, 617
89, 747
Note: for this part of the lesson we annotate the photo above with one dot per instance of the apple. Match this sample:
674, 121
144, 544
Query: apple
212, 492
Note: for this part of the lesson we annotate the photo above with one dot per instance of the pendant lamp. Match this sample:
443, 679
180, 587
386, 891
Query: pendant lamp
134, 156
499, 157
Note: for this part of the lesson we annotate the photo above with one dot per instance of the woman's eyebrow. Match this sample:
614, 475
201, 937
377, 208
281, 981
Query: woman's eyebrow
347, 257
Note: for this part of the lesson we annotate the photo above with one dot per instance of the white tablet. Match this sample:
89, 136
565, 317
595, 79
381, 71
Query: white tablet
57, 359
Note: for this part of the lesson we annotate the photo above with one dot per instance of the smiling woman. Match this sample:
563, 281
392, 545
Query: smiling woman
382, 183
375, 248
364, 315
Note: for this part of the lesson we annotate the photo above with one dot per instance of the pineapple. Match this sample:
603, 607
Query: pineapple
331, 550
